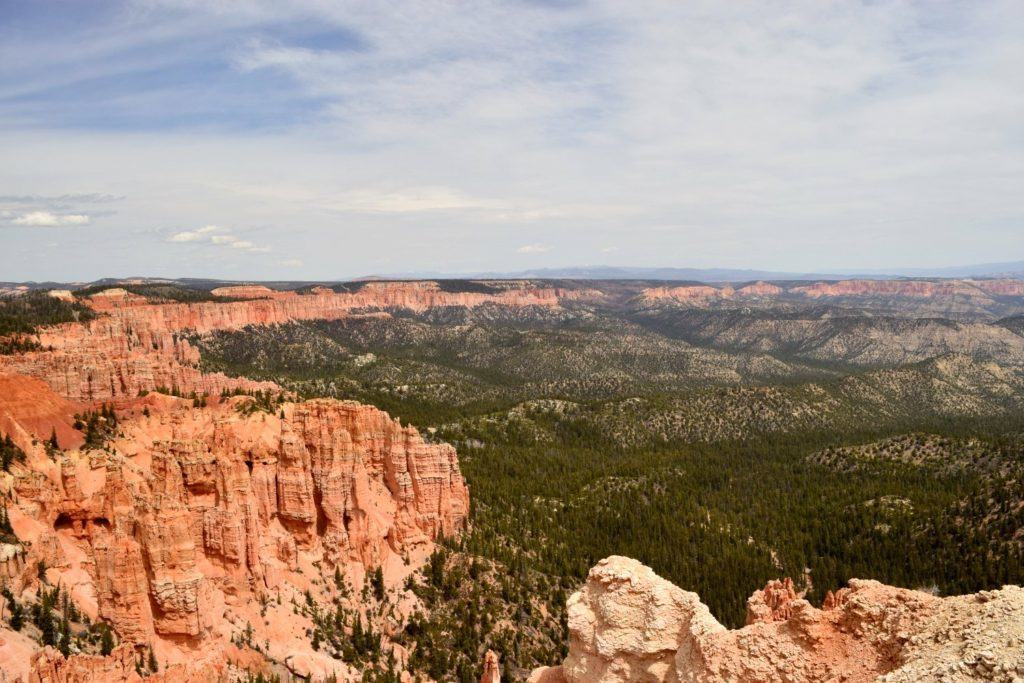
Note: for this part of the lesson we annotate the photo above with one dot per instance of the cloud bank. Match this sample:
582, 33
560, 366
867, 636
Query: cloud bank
359, 137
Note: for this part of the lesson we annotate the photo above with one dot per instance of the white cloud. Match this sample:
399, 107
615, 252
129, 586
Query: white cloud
408, 200
47, 219
534, 249
292, 262
208, 235
193, 235
686, 133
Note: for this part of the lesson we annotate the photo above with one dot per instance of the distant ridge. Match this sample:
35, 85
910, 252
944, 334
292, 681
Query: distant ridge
1009, 269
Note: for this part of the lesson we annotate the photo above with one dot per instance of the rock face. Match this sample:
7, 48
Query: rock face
137, 345
29, 407
628, 624
49, 666
962, 299
491, 672
196, 507
194, 525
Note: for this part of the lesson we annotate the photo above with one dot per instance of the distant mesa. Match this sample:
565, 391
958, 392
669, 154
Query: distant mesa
244, 292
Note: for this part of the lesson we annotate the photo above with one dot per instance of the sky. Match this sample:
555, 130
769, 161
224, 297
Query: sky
316, 139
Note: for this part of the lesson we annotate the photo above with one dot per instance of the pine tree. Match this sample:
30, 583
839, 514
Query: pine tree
106, 641
377, 581
65, 637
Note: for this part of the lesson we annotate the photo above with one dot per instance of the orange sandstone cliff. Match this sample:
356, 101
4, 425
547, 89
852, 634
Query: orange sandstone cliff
136, 345
192, 518
195, 526
938, 290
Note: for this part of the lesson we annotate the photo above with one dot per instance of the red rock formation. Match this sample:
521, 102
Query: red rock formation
698, 295
491, 672
191, 518
137, 345
689, 293
628, 624
29, 407
759, 289
111, 357
49, 666
113, 298
245, 292
772, 603
921, 289
1002, 287
703, 294
195, 510
281, 307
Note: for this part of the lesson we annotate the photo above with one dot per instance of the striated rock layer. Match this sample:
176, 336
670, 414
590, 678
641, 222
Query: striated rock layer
192, 517
628, 624
195, 525
966, 299
137, 345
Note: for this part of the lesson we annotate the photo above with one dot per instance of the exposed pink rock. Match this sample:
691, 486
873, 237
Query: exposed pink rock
195, 517
628, 624
687, 293
29, 408
703, 295
49, 666
16, 651
491, 672
244, 292
115, 297
772, 603
136, 345
194, 510
1000, 287
759, 289
922, 289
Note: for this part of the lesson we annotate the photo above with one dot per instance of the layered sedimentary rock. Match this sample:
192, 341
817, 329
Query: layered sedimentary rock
193, 516
137, 345
946, 292
112, 357
628, 624
282, 306
49, 666
29, 407
195, 525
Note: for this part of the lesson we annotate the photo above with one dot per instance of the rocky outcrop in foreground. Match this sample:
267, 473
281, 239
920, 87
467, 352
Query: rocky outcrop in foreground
628, 624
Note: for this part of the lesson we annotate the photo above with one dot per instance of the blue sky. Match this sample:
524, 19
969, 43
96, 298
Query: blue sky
315, 139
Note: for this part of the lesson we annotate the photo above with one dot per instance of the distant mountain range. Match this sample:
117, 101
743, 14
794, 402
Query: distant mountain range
1010, 269
1013, 269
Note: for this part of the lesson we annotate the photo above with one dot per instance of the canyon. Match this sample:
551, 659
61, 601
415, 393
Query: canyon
218, 513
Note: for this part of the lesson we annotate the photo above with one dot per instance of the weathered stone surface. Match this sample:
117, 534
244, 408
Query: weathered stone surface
193, 518
491, 670
949, 290
136, 345
628, 624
